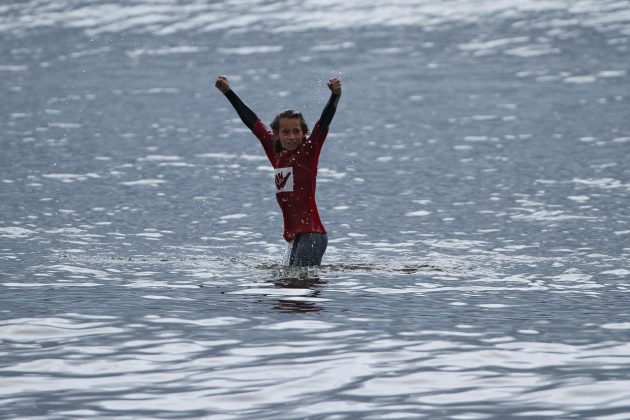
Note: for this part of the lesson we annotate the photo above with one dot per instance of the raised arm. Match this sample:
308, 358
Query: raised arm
328, 113
248, 116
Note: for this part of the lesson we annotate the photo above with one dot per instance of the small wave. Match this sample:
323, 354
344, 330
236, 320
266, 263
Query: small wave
276, 269
166, 19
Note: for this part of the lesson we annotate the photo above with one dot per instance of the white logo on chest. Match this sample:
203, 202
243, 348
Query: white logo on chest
284, 180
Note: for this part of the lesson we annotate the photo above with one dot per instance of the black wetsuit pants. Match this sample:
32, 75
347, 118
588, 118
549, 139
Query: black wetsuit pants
306, 249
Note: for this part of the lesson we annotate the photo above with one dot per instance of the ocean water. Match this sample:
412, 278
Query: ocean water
475, 188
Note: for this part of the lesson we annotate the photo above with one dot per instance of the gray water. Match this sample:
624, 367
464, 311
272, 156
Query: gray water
474, 187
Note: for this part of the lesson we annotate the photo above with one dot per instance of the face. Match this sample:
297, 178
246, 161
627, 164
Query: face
290, 133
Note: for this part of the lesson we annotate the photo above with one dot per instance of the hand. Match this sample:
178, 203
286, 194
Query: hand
222, 84
334, 85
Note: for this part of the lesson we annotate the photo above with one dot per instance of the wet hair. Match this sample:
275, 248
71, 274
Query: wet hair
288, 113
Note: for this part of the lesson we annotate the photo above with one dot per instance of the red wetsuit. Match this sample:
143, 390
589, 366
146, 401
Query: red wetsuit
296, 171
296, 174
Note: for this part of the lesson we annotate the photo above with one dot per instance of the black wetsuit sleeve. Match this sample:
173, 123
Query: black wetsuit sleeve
329, 112
248, 116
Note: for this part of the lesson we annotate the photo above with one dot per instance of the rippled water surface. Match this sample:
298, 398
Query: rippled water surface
474, 187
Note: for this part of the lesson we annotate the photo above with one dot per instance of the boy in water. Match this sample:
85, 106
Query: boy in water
294, 156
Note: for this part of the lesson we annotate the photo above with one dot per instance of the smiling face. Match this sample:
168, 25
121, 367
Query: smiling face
290, 133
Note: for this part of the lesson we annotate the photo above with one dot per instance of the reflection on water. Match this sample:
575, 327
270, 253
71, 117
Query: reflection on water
273, 341
307, 294
474, 186
376, 353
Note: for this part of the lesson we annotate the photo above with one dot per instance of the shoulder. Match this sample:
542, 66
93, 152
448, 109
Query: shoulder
261, 131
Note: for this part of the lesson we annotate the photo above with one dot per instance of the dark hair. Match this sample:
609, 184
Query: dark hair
288, 113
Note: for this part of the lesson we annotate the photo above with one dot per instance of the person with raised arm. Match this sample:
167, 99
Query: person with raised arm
294, 154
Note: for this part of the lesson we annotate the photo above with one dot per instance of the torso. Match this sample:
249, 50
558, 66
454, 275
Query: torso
295, 178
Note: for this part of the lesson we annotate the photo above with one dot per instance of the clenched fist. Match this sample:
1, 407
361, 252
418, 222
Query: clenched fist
334, 85
222, 84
